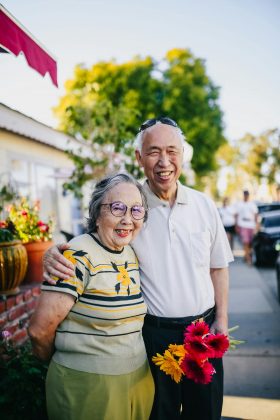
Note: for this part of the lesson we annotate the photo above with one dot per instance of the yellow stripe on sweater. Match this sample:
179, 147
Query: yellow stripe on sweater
118, 309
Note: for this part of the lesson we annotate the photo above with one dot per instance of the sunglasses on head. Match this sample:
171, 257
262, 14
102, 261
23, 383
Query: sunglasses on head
153, 121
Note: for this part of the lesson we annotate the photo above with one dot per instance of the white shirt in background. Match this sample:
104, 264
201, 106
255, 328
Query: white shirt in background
227, 215
246, 214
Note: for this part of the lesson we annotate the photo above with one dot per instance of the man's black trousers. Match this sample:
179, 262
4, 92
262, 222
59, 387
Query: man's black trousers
186, 400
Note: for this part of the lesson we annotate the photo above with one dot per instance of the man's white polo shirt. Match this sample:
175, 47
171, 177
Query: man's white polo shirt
176, 248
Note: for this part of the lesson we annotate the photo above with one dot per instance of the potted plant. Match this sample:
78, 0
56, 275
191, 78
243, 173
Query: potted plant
35, 234
13, 259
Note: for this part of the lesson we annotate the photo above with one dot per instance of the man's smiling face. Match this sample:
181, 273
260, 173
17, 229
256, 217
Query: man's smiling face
161, 157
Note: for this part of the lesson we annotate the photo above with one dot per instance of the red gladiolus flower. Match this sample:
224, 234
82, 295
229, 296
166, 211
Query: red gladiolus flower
40, 223
197, 370
197, 347
3, 224
24, 213
218, 344
198, 329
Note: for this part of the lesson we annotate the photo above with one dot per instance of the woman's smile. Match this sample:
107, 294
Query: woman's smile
123, 233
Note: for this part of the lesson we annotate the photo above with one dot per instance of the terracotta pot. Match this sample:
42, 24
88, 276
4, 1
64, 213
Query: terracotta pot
35, 252
13, 265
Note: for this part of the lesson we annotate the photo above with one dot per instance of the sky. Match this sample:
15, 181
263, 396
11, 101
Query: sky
238, 39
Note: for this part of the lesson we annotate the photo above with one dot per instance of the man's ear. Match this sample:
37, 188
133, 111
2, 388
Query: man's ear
138, 157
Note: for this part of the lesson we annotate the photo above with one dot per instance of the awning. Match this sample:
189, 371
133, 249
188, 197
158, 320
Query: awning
15, 38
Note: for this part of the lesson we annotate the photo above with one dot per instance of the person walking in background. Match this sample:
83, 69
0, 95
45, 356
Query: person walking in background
90, 324
227, 214
246, 221
183, 254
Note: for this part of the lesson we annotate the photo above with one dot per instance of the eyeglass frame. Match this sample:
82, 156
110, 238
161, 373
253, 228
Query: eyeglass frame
152, 121
126, 208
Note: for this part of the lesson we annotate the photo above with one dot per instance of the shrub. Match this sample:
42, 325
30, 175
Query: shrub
22, 383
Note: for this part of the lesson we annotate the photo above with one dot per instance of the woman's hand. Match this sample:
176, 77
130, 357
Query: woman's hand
56, 265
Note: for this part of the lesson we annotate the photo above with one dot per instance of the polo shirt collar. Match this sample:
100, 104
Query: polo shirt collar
155, 201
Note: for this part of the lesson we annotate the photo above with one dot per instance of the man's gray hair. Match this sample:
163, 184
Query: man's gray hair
101, 189
138, 142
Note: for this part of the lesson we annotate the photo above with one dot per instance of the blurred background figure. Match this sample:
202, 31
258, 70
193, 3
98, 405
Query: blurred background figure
246, 221
227, 214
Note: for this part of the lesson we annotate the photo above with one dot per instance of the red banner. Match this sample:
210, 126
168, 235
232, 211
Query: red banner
15, 38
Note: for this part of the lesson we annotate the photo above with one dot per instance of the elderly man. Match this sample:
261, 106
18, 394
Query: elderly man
183, 254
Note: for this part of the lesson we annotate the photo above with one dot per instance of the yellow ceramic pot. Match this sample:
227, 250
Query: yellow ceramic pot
13, 265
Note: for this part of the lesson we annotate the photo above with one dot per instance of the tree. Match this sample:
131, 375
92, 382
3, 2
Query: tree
105, 104
263, 157
251, 160
192, 98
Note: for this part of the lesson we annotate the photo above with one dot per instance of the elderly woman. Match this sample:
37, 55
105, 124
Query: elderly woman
90, 325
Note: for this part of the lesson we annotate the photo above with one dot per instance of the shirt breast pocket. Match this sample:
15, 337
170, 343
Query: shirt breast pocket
200, 248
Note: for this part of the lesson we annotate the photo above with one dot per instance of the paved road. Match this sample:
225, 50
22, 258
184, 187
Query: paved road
252, 372
268, 275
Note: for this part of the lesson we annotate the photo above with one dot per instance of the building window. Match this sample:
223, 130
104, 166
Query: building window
37, 182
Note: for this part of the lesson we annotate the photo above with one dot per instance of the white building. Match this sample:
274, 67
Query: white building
33, 155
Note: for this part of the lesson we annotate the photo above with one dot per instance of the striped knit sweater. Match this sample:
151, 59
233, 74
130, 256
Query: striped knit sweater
103, 331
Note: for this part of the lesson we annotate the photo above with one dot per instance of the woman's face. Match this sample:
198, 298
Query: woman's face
117, 231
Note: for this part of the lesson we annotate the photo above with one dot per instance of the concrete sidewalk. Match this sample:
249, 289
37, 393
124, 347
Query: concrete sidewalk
252, 371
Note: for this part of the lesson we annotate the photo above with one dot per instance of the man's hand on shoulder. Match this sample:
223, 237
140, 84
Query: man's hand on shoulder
56, 265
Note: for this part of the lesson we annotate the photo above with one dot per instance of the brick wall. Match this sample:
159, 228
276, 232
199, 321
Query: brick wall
15, 312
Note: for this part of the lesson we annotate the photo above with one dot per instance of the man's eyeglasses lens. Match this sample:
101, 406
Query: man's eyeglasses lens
153, 121
119, 209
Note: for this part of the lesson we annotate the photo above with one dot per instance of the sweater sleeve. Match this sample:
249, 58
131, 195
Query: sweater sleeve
73, 285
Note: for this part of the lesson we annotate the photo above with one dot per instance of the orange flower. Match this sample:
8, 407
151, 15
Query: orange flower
169, 365
177, 350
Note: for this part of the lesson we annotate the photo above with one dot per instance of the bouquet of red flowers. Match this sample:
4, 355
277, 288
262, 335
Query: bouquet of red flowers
192, 358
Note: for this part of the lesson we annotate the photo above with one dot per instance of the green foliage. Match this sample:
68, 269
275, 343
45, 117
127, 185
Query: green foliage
192, 98
252, 159
22, 384
105, 104
6, 235
8, 232
263, 159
